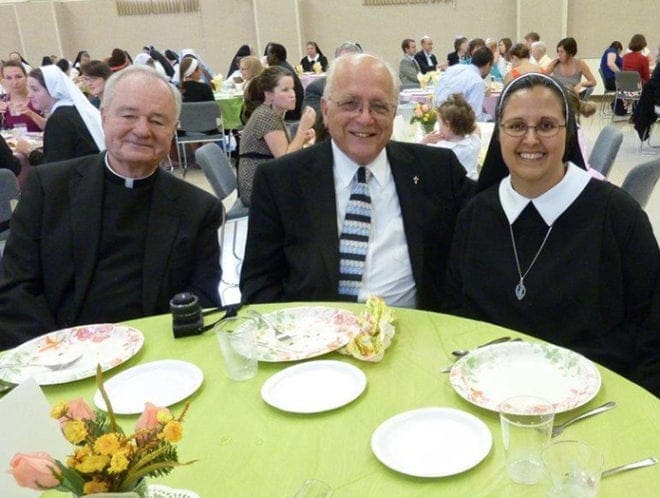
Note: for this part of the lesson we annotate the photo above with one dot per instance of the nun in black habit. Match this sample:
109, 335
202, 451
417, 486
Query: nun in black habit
546, 249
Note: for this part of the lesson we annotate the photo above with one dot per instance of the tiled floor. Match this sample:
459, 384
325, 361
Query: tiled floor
628, 157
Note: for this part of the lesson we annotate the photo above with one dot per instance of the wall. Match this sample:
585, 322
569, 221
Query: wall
223, 25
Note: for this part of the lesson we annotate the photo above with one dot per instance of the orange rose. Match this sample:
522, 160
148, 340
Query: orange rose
80, 410
34, 470
149, 418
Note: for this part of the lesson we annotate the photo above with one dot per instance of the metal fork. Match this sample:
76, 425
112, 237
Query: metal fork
279, 335
448, 368
559, 428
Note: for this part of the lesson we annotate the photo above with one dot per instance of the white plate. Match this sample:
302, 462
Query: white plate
314, 386
491, 374
308, 331
431, 442
106, 344
162, 383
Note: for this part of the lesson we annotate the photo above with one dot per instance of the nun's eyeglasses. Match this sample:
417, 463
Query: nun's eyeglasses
547, 128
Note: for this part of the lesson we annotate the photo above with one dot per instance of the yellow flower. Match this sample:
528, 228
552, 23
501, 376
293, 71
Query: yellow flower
92, 463
95, 486
107, 444
59, 410
164, 416
118, 463
74, 431
173, 431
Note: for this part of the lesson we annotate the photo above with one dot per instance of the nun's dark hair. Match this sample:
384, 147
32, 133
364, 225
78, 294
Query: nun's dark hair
494, 168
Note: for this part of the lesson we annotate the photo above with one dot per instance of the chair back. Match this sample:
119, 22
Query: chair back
217, 169
605, 149
9, 194
602, 78
199, 116
628, 81
640, 181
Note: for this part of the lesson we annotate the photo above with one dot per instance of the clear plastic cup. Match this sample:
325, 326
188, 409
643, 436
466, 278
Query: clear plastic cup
573, 468
239, 350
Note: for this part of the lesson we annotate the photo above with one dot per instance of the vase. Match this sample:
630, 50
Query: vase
139, 491
428, 127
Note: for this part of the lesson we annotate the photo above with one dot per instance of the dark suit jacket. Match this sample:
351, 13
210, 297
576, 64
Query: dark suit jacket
49, 259
313, 94
424, 67
292, 250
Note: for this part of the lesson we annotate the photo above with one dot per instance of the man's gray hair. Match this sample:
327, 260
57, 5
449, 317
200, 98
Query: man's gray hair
540, 45
354, 59
141, 71
347, 48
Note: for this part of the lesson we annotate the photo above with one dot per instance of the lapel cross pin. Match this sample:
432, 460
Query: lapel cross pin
415, 179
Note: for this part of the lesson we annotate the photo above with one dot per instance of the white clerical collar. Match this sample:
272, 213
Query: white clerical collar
345, 167
128, 182
551, 204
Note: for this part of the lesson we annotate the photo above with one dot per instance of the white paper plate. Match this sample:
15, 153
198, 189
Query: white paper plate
162, 383
431, 442
489, 375
106, 344
314, 386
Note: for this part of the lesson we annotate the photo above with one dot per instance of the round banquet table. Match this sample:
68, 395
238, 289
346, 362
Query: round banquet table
246, 448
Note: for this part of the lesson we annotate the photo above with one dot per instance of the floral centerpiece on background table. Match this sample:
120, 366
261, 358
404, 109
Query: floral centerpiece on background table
104, 458
425, 116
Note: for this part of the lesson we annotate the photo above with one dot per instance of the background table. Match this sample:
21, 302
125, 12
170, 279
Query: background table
231, 105
246, 448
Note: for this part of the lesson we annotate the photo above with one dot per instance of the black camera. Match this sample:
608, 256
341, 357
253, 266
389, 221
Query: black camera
187, 317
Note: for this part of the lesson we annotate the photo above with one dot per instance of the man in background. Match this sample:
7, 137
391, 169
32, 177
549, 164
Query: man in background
425, 57
409, 67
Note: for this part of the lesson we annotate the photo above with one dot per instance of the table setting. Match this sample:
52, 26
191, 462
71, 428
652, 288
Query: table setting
353, 396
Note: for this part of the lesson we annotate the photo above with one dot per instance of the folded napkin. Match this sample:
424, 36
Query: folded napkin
376, 332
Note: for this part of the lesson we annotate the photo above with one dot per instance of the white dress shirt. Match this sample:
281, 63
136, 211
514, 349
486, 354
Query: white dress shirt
387, 271
551, 204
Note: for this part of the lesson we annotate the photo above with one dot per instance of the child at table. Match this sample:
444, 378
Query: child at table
459, 132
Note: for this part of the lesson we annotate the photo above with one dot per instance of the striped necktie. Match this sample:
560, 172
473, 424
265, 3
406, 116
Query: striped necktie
354, 238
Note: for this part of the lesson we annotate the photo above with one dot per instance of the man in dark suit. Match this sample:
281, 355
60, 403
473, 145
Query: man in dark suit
299, 202
110, 237
425, 57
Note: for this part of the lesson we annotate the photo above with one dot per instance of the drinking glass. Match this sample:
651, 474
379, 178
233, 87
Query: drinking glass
19, 131
239, 350
574, 469
526, 423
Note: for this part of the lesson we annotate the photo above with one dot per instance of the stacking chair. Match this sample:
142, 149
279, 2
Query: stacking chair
640, 181
9, 194
607, 98
195, 118
220, 174
605, 149
628, 86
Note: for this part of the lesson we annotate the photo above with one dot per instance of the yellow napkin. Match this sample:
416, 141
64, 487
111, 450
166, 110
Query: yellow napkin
376, 332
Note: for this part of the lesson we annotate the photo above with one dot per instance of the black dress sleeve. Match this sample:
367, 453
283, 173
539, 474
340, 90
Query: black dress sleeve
7, 158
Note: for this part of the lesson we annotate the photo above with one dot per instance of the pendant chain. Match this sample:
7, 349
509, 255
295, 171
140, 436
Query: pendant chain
521, 290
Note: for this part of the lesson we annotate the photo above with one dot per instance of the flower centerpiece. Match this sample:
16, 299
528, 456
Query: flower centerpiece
105, 458
424, 115
317, 68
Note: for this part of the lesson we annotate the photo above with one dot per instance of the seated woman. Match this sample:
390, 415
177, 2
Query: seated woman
460, 51
314, 55
250, 68
192, 88
610, 64
15, 106
73, 128
520, 63
234, 69
635, 60
94, 75
570, 70
547, 250
498, 70
265, 135
458, 132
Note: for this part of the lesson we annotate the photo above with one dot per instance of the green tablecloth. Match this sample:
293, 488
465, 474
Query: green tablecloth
230, 110
246, 448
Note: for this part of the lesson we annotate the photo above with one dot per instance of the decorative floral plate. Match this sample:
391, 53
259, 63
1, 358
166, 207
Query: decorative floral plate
80, 348
307, 332
489, 375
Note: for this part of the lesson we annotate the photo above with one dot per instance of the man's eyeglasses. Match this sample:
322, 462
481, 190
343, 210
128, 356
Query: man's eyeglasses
546, 128
355, 106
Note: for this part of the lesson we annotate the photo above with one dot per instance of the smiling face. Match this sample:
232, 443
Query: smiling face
361, 134
535, 163
15, 81
139, 123
283, 96
39, 96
